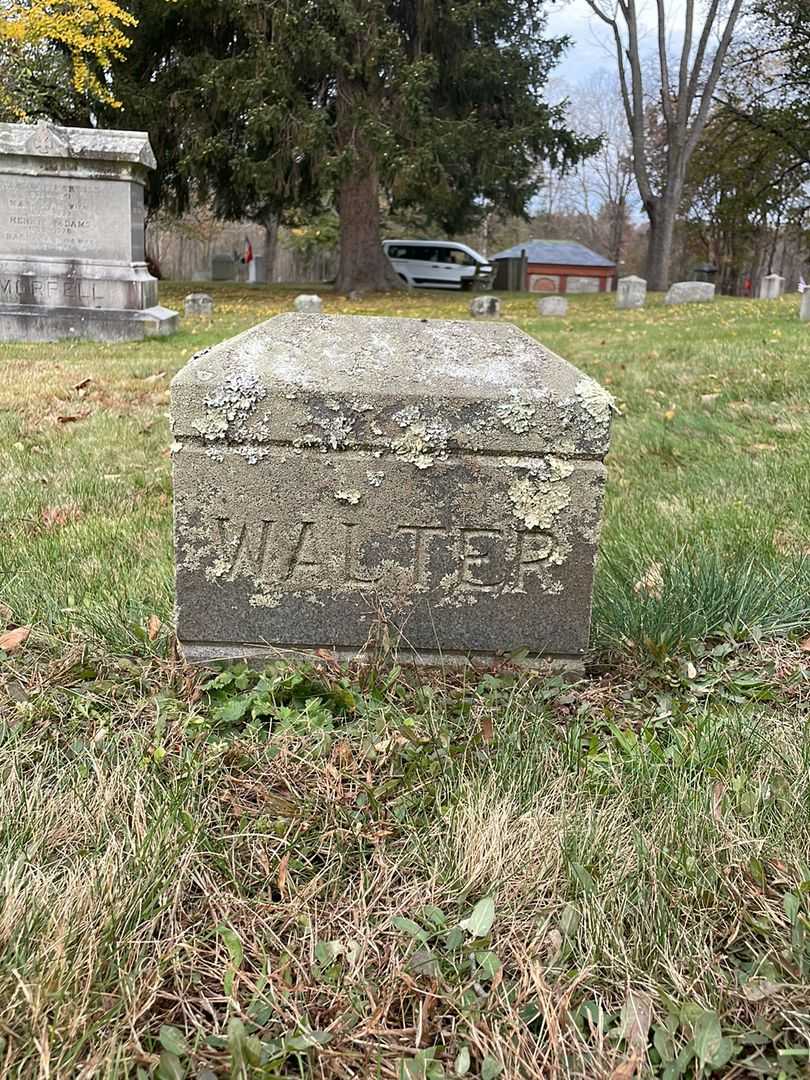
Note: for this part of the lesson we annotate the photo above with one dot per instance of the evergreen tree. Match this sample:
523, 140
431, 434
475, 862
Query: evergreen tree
268, 105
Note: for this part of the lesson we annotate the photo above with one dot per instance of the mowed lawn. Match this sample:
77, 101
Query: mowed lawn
371, 873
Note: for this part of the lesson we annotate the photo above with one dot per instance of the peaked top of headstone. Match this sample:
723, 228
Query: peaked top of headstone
493, 385
89, 144
634, 279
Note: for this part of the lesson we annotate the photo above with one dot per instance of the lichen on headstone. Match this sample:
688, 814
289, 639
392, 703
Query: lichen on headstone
597, 402
423, 442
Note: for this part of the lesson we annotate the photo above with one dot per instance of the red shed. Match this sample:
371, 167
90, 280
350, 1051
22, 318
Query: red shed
553, 266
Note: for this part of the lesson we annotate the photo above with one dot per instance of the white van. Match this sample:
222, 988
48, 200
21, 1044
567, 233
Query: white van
439, 264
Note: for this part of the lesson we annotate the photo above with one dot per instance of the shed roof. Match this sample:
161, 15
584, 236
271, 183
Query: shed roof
555, 252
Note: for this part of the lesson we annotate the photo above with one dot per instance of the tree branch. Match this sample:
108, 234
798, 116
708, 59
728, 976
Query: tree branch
714, 74
663, 65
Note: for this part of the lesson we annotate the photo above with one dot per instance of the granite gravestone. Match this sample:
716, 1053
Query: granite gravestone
689, 292
72, 236
198, 304
553, 305
334, 475
771, 287
308, 304
631, 292
485, 307
223, 268
804, 306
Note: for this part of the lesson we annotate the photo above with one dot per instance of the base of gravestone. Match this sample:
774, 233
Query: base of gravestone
21, 322
258, 656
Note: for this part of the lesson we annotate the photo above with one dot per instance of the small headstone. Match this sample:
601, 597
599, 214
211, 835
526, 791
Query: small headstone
485, 307
689, 292
771, 287
72, 261
308, 304
631, 292
198, 303
330, 488
223, 268
552, 305
804, 306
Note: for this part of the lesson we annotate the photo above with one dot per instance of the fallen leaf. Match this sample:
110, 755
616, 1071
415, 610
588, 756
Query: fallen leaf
487, 732
13, 639
636, 1016
153, 625
718, 791
626, 1070
54, 517
652, 582
155, 377
68, 419
83, 384
669, 414
805, 645
282, 872
708, 400
760, 989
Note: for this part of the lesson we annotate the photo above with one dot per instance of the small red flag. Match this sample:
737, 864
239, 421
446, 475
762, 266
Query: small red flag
248, 256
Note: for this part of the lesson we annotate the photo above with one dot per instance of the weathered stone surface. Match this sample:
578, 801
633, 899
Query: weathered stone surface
771, 287
631, 292
198, 303
71, 234
689, 292
804, 306
336, 474
552, 305
223, 268
485, 307
308, 304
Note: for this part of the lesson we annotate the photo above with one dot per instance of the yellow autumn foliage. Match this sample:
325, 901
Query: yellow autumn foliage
92, 31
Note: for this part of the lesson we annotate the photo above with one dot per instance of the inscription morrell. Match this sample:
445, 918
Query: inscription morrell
331, 473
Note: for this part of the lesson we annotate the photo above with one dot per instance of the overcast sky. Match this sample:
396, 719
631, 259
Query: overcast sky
587, 53
591, 46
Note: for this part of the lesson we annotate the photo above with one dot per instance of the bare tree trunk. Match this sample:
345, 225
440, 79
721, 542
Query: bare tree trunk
363, 265
659, 251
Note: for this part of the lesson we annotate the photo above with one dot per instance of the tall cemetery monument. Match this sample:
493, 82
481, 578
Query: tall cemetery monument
72, 261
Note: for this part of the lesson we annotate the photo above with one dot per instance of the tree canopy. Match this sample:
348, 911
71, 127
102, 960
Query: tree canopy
267, 106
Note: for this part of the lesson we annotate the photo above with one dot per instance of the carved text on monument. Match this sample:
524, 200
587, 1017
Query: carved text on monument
483, 560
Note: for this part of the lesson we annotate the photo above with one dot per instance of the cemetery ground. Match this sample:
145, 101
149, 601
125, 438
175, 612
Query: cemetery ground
342, 873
